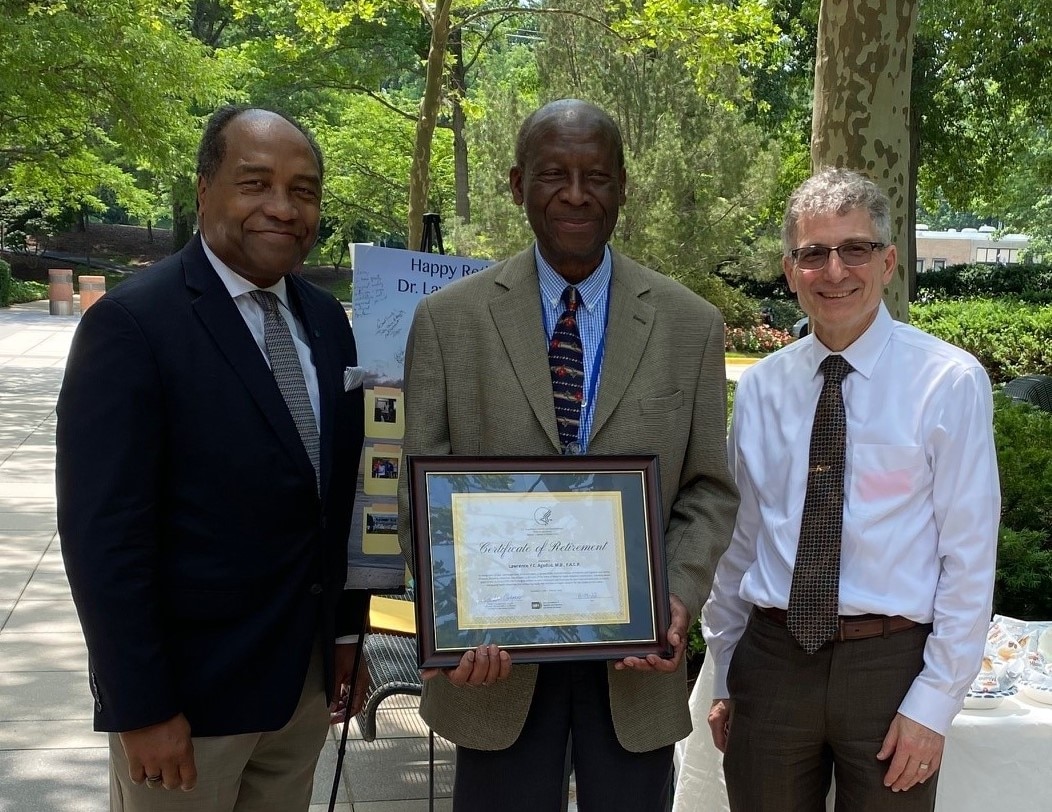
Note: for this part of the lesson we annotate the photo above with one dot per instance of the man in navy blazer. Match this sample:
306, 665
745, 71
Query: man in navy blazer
206, 556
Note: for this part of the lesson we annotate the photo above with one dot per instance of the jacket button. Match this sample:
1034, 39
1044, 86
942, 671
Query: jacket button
316, 589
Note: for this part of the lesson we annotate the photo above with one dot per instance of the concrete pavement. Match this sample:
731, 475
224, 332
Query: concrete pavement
50, 758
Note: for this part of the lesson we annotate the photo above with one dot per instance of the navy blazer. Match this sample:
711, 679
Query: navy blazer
203, 562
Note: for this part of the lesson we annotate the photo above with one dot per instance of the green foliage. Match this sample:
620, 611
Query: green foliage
784, 312
1024, 449
1009, 337
97, 94
20, 292
707, 36
982, 97
1023, 435
1023, 585
5, 284
738, 309
1026, 281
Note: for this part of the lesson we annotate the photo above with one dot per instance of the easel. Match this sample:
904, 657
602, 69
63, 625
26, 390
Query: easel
430, 243
431, 239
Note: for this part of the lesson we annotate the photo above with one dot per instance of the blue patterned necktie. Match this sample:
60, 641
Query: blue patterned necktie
566, 359
815, 593
288, 374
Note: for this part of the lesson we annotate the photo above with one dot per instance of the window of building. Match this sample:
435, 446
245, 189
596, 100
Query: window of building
938, 264
920, 264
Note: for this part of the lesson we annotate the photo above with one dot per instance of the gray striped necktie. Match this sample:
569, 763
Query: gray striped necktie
815, 592
285, 364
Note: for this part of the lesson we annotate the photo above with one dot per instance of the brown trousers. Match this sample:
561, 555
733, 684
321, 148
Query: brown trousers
252, 772
800, 719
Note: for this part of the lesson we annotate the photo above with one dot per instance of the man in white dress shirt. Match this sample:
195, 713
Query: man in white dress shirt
910, 573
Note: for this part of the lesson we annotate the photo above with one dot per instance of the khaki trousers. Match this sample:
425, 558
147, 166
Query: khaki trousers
252, 772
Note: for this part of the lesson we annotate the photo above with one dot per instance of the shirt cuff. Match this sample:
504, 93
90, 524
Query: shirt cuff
347, 639
930, 707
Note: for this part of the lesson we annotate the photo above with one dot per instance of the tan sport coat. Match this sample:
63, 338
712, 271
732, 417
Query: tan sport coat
478, 383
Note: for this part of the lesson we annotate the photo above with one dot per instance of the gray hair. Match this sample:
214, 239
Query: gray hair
563, 111
836, 191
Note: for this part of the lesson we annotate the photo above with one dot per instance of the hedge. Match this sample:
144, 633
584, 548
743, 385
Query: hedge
1032, 282
1009, 337
5, 284
1023, 434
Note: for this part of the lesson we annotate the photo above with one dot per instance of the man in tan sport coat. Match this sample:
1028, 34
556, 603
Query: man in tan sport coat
478, 382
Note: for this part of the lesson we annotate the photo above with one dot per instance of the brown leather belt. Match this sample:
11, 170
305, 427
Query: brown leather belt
856, 627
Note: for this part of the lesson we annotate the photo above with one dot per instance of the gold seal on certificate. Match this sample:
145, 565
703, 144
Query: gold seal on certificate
549, 557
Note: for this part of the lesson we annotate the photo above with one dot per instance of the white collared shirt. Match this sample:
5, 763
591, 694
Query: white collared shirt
240, 290
921, 500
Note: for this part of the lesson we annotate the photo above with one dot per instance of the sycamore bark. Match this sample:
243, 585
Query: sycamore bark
862, 110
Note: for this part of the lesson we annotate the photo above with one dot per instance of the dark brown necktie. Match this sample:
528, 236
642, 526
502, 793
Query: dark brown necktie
566, 358
814, 596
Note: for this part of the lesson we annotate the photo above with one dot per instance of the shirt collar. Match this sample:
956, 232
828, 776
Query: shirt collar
590, 291
864, 352
236, 284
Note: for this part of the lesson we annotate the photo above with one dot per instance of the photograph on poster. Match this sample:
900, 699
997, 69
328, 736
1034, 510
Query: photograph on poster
385, 468
381, 523
384, 413
381, 463
384, 410
380, 529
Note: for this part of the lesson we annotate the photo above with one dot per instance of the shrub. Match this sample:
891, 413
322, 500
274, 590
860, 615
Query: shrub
5, 284
756, 339
1023, 434
784, 312
1032, 282
23, 291
1024, 459
1009, 337
738, 309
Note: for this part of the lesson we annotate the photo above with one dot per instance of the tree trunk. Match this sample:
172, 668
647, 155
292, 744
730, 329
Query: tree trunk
458, 84
184, 212
861, 108
420, 173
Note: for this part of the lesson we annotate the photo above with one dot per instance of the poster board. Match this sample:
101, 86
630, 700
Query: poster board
388, 285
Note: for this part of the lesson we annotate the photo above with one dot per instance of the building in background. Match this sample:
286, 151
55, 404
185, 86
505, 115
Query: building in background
938, 249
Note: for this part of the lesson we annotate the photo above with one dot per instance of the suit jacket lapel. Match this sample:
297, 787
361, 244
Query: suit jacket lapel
627, 333
305, 308
517, 316
223, 320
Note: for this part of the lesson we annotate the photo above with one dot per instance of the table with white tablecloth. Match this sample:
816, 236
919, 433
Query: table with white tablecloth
995, 760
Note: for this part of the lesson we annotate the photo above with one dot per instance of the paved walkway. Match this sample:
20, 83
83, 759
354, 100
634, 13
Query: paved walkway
50, 759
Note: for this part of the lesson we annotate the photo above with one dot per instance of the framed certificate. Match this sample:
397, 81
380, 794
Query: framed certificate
551, 558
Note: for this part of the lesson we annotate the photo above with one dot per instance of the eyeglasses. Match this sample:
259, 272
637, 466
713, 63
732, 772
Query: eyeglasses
852, 254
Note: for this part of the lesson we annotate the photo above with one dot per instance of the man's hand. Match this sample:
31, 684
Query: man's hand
163, 750
917, 752
479, 666
720, 715
677, 638
344, 696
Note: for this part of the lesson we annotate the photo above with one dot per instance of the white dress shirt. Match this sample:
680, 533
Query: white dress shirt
921, 500
240, 290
